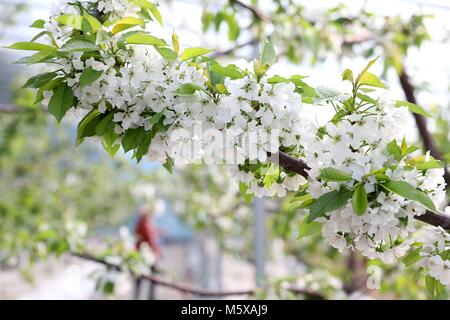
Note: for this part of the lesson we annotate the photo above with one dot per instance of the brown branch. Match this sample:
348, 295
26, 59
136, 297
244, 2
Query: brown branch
421, 122
190, 289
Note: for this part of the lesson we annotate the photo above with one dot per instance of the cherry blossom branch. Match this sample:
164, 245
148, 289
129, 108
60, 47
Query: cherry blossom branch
237, 47
190, 289
300, 167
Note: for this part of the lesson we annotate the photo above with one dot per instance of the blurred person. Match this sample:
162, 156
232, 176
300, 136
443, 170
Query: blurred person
147, 234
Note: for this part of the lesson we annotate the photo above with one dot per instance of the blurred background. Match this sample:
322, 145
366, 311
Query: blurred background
70, 214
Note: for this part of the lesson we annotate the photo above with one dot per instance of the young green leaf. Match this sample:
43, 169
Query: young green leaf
61, 101
71, 20
175, 42
89, 76
412, 257
102, 37
243, 188
268, 54
145, 38
38, 24
167, 53
94, 24
126, 23
191, 53
394, 149
330, 201
333, 174
369, 79
412, 108
187, 89
78, 45
231, 71
359, 200
347, 75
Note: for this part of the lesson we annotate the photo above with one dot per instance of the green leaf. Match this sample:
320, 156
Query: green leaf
155, 12
330, 201
432, 164
412, 107
307, 229
412, 257
78, 45
152, 8
38, 24
87, 126
243, 188
430, 284
175, 42
89, 76
347, 75
329, 94
93, 22
369, 79
190, 53
169, 165
102, 37
359, 200
126, 23
231, 71
367, 67
394, 149
407, 191
105, 125
133, 138
333, 174
366, 98
32, 46
167, 53
61, 101
71, 20
145, 38
268, 54
39, 80
187, 89
278, 79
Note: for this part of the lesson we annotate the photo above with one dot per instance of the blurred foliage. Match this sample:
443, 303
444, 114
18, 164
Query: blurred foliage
47, 184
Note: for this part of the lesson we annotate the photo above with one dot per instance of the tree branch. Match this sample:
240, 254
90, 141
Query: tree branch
421, 122
190, 289
232, 50
254, 11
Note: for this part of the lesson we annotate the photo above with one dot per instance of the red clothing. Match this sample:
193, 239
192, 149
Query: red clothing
146, 232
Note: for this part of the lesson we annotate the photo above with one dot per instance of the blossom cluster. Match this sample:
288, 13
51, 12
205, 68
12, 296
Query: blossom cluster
435, 254
358, 145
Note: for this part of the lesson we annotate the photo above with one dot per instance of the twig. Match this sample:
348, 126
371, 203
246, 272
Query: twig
254, 11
